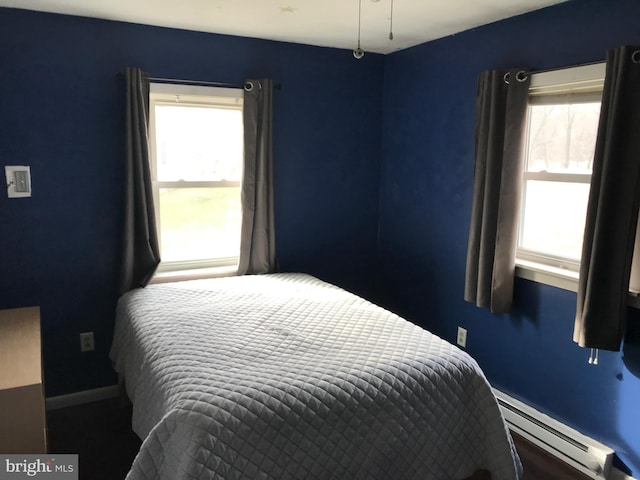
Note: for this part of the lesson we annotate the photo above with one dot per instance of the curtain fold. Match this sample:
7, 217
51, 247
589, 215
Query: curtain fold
257, 243
501, 106
612, 210
141, 253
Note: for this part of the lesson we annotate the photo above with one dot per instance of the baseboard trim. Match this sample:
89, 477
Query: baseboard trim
84, 396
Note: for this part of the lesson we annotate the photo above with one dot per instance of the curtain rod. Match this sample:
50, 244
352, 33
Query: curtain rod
522, 75
635, 58
196, 82
586, 64
204, 83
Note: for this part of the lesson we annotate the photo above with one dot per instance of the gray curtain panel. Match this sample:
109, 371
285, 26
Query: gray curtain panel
612, 210
141, 253
501, 106
257, 243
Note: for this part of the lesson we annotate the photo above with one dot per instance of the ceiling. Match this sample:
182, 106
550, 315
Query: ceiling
329, 23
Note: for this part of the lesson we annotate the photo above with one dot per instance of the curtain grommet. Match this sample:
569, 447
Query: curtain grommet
635, 56
506, 77
521, 76
248, 86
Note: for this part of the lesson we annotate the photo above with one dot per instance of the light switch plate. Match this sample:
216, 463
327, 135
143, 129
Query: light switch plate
18, 181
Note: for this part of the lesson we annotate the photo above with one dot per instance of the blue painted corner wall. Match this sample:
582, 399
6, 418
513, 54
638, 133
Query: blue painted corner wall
62, 113
425, 205
373, 183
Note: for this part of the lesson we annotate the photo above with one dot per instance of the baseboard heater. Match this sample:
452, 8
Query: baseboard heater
581, 452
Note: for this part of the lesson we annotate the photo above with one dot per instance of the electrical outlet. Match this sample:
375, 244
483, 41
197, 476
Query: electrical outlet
86, 342
462, 337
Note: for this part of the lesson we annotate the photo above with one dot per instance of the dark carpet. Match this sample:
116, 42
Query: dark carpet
100, 433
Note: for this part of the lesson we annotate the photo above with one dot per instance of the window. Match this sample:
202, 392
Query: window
196, 143
563, 114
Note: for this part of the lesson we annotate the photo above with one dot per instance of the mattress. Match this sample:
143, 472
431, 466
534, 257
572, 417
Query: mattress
284, 376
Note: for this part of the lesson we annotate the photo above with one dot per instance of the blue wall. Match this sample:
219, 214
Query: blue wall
62, 111
427, 179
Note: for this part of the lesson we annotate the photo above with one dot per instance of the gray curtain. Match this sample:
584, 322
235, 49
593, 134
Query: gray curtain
141, 253
501, 106
612, 210
257, 243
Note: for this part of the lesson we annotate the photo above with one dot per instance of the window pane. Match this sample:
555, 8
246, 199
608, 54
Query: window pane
198, 143
199, 223
553, 218
562, 137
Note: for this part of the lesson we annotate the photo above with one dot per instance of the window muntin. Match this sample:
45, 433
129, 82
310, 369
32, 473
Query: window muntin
197, 154
562, 125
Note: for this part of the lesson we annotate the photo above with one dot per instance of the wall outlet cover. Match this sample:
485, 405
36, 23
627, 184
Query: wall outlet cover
86, 342
462, 337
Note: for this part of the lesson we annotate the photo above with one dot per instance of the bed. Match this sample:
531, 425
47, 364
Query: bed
284, 376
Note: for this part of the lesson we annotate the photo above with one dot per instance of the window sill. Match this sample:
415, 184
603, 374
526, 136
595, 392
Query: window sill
556, 277
560, 278
633, 300
194, 274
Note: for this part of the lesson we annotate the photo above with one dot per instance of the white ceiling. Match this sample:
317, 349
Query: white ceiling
330, 23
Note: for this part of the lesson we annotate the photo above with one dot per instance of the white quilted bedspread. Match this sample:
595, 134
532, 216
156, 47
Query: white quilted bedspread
284, 376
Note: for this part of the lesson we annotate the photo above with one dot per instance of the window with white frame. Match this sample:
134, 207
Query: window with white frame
196, 150
563, 114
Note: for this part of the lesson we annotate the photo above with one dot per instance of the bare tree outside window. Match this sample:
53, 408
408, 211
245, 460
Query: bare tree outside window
559, 160
562, 137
